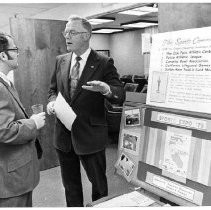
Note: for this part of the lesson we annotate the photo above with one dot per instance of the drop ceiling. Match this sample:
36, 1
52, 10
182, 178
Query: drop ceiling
60, 11
121, 19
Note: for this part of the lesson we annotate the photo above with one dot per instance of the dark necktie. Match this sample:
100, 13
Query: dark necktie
74, 77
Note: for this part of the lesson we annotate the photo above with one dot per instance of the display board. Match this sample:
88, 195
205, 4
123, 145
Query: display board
165, 145
130, 140
167, 150
177, 154
180, 70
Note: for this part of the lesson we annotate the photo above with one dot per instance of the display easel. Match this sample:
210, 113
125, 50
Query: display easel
165, 146
134, 101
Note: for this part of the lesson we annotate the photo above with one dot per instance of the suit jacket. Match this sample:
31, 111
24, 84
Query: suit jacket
89, 132
19, 165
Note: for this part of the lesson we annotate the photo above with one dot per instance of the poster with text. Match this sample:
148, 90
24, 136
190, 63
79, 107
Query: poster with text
180, 70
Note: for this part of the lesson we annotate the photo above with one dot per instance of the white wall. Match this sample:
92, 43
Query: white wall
126, 51
100, 41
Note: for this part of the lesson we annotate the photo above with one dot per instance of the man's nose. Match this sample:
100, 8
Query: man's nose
68, 39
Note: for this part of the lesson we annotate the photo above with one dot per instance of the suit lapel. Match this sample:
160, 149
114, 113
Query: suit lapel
89, 69
65, 70
15, 95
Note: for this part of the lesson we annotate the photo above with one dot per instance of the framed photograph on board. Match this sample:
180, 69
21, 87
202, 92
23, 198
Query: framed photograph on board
132, 117
130, 141
104, 52
126, 165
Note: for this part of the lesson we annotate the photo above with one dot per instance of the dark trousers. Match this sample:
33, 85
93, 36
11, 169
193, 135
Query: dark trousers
95, 167
24, 200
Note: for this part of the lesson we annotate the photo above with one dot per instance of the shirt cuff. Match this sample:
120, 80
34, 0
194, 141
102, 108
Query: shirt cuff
108, 92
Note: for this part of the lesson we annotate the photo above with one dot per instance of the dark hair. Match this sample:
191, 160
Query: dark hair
3, 41
85, 23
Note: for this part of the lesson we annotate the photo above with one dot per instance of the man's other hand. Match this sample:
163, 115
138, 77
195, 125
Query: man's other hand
50, 108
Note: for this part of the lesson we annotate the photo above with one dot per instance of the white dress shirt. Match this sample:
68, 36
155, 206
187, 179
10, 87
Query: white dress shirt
82, 61
4, 77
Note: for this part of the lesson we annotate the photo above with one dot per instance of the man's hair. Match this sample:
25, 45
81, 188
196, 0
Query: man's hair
4, 43
85, 23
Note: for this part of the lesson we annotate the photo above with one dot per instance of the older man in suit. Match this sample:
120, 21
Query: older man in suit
19, 165
85, 79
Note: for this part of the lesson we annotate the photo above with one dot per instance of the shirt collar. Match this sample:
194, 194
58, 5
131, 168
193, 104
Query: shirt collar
4, 77
84, 56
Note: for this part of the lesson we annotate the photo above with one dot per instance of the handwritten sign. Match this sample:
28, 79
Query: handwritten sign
173, 188
179, 120
180, 70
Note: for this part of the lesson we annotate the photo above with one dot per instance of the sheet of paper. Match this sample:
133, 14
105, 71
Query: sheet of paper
127, 200
64, 112
146, 42
177, 151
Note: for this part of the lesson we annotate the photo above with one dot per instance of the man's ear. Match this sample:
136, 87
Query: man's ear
3, 56
87, 36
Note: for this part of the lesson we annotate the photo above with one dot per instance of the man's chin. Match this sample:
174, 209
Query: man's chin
15, 67
69, 49
12, 65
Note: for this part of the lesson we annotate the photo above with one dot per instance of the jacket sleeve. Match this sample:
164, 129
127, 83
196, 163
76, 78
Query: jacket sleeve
12, 130
52, 93
111, 77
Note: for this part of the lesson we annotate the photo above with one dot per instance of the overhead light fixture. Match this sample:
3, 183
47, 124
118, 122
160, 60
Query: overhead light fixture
140, 11
96, 21
106, 31
154, 8
139, 25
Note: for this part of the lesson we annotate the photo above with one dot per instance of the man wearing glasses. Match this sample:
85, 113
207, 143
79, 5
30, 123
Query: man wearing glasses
19, 166
85, 79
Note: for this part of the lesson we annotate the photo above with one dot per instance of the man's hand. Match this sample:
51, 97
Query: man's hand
50, 108
39, 119
97, 86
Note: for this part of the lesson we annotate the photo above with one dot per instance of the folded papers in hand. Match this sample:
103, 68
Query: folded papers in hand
64, 112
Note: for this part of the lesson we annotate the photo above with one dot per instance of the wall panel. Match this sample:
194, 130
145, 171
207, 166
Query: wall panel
39, 41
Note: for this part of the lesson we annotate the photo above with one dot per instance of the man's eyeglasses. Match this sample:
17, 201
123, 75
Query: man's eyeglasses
12, 49
72, 33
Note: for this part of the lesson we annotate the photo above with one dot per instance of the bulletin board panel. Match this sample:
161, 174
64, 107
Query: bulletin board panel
167, 152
